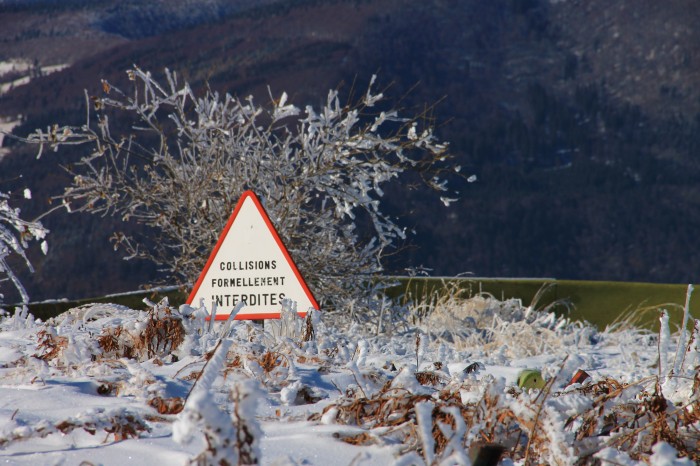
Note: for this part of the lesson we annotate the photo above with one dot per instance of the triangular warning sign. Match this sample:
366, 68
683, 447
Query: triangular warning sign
250, 263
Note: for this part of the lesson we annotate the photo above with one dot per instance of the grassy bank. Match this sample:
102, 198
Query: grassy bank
600, 303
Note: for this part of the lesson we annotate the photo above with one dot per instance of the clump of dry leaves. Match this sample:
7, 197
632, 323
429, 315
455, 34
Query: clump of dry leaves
50, 345
159, 334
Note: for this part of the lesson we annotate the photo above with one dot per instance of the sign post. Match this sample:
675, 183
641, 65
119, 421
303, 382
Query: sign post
251, 264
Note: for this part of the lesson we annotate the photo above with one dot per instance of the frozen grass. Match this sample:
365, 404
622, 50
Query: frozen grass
506, 327
432, 384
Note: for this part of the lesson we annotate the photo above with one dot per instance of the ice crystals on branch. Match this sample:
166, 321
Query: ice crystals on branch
281, 110
318, 172
448, 200
370, 99
14, 236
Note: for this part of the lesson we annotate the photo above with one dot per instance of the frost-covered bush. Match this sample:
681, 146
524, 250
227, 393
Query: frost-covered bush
186, 159
15, 234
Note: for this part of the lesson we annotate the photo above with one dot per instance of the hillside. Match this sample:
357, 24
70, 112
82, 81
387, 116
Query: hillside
581, 120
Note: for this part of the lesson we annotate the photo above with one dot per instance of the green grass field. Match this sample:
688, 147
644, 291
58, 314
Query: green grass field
600, 303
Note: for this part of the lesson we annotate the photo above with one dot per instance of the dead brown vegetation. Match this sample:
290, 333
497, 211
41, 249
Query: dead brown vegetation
270, 360
636, 426
428, 378
50, 345
121, 424
167, 405
160, 335
630, 424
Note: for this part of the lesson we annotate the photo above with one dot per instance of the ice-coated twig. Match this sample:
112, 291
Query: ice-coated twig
683, 332
14, 233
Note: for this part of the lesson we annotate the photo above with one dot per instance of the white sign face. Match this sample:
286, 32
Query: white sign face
250, 264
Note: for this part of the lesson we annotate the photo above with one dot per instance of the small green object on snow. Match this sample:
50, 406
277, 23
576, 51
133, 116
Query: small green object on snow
530, 378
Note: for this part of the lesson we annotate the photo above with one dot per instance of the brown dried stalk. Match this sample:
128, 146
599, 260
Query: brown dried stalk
161, 335
50, 346
308, 333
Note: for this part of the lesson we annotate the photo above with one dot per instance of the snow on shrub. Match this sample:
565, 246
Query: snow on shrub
14, 236
185, 159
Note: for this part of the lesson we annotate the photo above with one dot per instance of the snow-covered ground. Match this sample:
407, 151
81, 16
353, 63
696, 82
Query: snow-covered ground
15, 73
21, 70
104, 384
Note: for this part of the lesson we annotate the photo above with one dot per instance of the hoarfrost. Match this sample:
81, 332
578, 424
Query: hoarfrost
14, 234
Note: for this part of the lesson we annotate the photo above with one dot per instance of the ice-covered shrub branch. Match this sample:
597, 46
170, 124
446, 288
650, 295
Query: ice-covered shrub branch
15, 234
180, 167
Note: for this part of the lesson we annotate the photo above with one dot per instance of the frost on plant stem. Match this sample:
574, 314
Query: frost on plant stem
664, 345
683, 335
186, 158
424, 421
231, 438
14, 236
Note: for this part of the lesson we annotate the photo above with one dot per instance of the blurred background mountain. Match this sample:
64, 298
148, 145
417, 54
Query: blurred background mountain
580, 119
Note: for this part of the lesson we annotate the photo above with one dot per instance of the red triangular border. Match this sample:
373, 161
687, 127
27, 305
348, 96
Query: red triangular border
280, 244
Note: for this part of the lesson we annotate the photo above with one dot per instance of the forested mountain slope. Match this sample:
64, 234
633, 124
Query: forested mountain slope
581, 120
